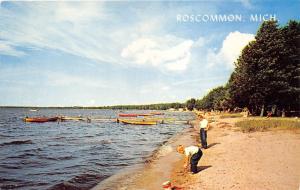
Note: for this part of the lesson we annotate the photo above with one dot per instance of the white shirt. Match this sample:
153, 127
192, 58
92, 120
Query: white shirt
189, 151
203, 124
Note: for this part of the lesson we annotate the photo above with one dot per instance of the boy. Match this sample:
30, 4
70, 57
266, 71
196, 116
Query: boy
192, 156
203, 130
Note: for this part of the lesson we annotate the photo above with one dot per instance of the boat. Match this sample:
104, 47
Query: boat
134, 114
137, 121
128, 115
73, 118
157, 113
145, 114
40, 119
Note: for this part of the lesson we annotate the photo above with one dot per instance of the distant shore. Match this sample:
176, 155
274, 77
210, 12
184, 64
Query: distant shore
56, 107
156, 106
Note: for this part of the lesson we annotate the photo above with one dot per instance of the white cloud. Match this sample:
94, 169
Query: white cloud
90, 30
247, 4
169, 52
232, 47
64, 26
200, 42
8, 49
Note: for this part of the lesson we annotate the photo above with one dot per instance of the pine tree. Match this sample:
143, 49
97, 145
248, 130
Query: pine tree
290, 96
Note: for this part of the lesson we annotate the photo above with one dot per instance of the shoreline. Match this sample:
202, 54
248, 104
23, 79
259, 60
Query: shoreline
154, 171
234, 160
237, 160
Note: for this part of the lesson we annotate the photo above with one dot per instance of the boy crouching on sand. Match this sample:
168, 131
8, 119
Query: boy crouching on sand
192, 156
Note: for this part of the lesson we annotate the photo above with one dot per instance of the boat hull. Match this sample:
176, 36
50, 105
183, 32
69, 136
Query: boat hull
40, 119
137, 122
127, 115
134, 114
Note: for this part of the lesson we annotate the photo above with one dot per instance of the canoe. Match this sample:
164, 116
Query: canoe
136, 122
134, 114
128, 115
73, 118
157, 113
145, 114
40, 119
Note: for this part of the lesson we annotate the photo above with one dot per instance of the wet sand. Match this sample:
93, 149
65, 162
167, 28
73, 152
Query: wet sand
153, 173
234, 160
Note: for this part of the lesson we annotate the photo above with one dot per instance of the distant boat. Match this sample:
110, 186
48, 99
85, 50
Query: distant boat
145, 114
157, 113
33, 110
134, 114
128, 115
40, 119
73, 118
137, 122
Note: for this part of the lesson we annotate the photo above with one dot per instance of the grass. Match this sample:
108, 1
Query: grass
231, 115
263, 124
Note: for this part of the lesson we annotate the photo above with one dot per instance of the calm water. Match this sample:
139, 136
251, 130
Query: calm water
72, 154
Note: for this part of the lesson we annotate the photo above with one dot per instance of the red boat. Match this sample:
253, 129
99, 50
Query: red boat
157, 113
128, 115
145, 114
134, 114
40, 119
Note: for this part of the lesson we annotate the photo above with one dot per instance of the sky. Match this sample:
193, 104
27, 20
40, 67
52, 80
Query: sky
76, 53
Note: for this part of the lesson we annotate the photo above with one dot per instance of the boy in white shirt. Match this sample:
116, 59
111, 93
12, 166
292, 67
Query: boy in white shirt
203, 130
192, 156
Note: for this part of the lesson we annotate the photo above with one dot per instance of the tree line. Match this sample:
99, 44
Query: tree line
159, 106
266, 76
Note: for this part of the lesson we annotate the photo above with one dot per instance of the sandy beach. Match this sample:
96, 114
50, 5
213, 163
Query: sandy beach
234, 160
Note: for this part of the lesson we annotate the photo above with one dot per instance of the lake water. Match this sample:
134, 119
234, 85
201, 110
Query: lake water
73, 154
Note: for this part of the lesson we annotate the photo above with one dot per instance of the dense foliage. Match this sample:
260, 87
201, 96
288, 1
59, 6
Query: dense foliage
266, 74
216, 99
162, 106
191, 104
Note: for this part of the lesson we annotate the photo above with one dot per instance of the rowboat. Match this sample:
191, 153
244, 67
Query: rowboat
73, 118
128, 115
40, 119
157, 113
134, 114
145, 114
136, 122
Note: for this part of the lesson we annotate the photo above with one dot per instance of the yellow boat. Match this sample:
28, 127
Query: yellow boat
73, 118
136, 122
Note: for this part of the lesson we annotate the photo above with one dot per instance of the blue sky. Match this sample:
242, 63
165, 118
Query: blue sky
109, 53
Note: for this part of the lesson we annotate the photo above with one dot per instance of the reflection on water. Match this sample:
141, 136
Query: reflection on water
72, 154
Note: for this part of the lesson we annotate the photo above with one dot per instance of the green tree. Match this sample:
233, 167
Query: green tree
190, 104
290, 96
258, 77
267, 71
215, 99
